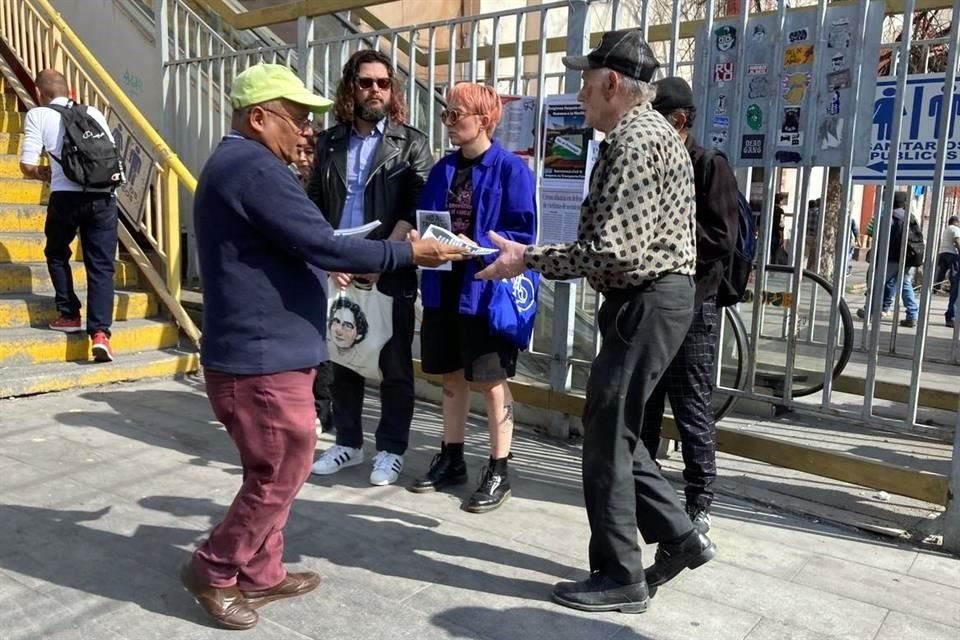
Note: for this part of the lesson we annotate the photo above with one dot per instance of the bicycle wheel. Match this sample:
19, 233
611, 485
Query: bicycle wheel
812, 332
732, 356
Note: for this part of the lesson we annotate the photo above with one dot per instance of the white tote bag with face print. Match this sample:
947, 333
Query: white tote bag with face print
359, 323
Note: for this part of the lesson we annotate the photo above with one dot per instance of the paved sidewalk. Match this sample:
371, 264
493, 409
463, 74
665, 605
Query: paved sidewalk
105, 492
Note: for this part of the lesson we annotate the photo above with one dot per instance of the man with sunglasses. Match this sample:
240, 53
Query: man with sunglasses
372, 166
262, 245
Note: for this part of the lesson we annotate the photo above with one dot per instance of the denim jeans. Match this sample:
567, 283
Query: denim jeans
94, 216
909, 297
948, 264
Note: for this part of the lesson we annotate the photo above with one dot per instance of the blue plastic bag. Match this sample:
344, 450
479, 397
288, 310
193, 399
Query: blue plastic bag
513, 308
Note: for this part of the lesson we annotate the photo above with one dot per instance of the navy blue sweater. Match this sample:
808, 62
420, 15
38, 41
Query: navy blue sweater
263, 245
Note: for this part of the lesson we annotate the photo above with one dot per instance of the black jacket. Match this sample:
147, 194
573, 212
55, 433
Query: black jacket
718, 218
399, 170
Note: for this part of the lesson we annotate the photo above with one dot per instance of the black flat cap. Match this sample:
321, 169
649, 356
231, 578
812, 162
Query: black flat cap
672, 94
624, 51
899, 199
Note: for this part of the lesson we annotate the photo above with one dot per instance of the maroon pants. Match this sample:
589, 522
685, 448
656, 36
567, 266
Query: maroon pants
271, 420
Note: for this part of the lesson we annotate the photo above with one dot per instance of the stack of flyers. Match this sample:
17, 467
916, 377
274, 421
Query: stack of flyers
448, 237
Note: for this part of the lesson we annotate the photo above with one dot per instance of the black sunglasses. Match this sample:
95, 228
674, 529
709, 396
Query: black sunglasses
367, 83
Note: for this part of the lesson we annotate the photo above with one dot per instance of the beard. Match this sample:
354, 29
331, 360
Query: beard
370, 113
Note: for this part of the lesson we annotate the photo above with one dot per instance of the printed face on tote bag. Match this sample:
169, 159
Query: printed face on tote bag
348, 324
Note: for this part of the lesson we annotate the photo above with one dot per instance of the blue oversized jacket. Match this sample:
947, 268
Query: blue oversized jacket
503, 201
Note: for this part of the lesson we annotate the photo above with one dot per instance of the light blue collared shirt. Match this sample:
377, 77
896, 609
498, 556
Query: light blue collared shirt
360, 152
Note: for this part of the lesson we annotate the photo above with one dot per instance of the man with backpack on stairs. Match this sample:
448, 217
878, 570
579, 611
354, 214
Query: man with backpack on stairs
720, 281
84, 171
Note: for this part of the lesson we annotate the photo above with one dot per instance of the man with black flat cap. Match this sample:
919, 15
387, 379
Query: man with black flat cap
636, 245
688, 379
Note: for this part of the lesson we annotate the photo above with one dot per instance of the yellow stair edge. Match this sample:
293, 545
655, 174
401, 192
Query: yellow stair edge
22, 218
21, 381
22, 191
33, 277
11, 121
31, 310
26, 346
27, 247
11, 143
10, 165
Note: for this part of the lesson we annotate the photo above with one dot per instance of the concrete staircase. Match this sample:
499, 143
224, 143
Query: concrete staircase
34, 359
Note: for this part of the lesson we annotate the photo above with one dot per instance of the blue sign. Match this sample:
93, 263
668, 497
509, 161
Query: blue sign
920, 134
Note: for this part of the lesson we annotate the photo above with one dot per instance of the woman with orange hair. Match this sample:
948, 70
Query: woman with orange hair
485, 188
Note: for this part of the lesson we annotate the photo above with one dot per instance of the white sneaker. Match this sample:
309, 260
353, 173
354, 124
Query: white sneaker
386, 468
335, 458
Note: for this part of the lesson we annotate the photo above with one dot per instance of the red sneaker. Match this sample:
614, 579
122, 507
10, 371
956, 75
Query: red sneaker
101, 347
67, 325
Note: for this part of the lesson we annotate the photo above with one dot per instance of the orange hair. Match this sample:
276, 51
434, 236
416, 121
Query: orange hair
480, 99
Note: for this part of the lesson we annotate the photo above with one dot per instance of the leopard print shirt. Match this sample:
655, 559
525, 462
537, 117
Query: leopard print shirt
638, 222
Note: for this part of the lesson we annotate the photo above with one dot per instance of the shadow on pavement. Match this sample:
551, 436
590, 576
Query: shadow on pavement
390, 542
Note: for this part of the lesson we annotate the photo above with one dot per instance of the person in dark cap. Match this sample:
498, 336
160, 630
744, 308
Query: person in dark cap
635, 245
688, 379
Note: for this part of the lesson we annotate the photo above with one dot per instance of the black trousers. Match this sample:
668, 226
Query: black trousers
396, 388
688, 384
322, 395
94, 216
642, 329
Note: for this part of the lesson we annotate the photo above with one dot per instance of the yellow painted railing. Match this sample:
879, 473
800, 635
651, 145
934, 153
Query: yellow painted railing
37, 34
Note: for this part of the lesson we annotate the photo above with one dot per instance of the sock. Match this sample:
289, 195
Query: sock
452, 449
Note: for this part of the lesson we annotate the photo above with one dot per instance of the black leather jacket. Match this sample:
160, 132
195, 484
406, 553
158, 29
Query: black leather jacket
400, 167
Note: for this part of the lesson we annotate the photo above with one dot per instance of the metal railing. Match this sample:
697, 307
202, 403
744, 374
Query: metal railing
40, 39
518, 51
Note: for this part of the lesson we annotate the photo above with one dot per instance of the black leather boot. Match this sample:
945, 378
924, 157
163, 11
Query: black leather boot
448, 469
494, 488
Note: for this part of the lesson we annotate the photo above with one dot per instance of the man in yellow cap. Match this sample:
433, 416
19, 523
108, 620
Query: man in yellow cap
263, 247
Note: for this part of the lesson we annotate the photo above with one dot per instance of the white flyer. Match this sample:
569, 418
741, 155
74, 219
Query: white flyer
361, 231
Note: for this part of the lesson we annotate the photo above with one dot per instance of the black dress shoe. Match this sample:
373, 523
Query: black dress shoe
693, 551
446, 470
599, 593
493, 491
226, 605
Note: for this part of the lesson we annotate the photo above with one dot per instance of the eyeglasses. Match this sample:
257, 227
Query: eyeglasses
367, 83
451, 117
299, 125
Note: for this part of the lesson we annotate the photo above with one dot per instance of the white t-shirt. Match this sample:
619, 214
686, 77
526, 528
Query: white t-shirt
43, 129
947, 238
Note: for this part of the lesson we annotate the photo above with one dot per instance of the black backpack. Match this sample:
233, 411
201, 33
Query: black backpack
88, 157
736, 272
915, 245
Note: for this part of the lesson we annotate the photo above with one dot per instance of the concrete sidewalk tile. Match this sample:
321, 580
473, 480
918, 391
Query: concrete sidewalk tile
771, 558
782, 601
342, 611
773, 630
674, 615
28, 615
899, 626
937, 567
186, 620
827, 540
929, 600
398, 553
506, 617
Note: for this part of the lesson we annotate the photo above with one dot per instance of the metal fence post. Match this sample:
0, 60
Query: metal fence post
305, 62
951, 518
564, 293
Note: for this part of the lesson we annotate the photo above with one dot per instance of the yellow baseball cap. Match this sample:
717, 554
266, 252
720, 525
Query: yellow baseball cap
264, 82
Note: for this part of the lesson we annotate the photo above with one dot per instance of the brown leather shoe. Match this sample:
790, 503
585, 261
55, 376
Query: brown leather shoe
295, 584
225, 605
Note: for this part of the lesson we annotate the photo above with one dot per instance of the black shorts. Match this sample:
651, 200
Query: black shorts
450, 341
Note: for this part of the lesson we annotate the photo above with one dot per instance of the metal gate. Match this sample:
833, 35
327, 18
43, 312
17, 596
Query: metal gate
822, 65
